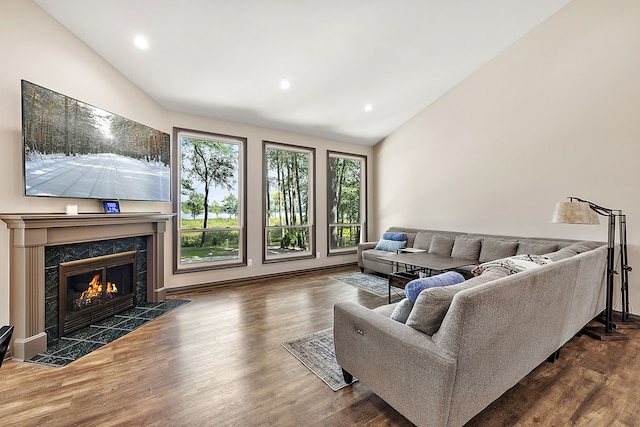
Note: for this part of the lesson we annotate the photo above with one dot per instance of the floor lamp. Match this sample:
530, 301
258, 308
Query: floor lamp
578, 211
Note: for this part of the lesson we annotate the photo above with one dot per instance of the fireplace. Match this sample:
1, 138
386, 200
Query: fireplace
38, 241
95, 288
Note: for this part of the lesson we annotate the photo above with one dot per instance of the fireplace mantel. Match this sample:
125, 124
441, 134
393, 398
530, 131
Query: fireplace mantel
31, 233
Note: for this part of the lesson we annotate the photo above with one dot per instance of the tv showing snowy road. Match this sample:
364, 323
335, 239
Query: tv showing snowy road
97, 176
75, 150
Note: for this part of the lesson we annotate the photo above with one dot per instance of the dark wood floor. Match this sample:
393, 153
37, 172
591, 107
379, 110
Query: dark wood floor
218, 361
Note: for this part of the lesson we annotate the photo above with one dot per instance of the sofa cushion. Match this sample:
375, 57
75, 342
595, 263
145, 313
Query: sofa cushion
390, 245
514, 264
573, 249
495, 249
423, 240
375, 254
466, 248
402, 310
537, 248
394, 235
431, 305
414, 287
441, 245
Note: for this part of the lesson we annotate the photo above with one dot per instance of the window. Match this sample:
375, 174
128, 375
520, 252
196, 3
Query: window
288, 201
346, 197
209, 198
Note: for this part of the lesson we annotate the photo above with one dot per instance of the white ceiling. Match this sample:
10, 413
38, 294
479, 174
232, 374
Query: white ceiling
225, 59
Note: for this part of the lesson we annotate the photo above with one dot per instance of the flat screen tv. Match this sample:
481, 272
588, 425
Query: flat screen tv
75, 150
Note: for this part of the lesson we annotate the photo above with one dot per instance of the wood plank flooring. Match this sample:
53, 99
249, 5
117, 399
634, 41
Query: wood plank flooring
218, 361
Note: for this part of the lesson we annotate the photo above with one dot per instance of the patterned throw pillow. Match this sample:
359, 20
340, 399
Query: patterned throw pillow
514, 264
390, 245
392, 242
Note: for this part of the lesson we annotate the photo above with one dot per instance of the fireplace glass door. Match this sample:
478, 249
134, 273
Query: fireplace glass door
95, 288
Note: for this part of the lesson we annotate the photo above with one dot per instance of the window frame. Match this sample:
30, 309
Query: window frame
311, 202
363, 202
241, 259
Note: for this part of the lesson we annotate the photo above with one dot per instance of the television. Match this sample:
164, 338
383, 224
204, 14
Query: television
75, 150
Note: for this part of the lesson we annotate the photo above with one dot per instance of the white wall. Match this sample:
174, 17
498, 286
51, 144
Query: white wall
555, 115
36, 48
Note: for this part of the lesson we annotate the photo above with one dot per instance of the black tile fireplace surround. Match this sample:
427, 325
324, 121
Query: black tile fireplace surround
60, 237
56, 255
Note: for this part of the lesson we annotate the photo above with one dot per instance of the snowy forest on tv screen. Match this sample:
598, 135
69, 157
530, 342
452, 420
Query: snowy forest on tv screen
72, 149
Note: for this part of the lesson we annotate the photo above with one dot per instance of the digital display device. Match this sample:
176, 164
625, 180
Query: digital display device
75, 150
111, 206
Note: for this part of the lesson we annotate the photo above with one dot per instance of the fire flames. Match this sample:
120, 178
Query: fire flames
95, 290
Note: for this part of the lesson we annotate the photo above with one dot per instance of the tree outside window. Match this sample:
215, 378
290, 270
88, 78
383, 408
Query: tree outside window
346, 201
288, 201
210, 228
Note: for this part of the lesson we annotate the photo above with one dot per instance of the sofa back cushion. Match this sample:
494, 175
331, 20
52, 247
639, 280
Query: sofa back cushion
423, 240
536, 248
495, 249
466, 248
432, 304
441, 245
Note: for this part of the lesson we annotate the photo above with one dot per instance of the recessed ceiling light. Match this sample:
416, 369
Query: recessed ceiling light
284, 84
368, 107
141, 42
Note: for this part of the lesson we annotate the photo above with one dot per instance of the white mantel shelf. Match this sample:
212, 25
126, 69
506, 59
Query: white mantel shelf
31, 233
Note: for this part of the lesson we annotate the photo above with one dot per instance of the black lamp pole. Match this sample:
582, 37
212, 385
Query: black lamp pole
608, 333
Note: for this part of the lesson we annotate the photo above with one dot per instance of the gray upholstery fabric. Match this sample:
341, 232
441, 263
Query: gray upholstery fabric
401, 365
402, 311
534, 248
422, 240
466, 248
441, 245
492, 335
432, 304
495, 249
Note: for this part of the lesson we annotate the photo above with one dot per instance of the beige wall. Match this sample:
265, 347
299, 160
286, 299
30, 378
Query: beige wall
555, 115
34, 47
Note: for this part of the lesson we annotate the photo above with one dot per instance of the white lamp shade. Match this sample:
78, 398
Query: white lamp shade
574, 213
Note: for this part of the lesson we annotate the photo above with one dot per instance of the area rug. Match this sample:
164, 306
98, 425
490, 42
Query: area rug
316, 352
61, 352
367, 282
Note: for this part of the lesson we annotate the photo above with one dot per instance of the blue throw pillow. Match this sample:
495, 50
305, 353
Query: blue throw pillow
414, 287
390, 245
399, 237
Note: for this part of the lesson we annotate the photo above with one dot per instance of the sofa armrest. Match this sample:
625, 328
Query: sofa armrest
400, 364
363, 247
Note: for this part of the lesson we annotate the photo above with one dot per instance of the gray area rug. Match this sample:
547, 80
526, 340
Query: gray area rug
316, 352
367, 282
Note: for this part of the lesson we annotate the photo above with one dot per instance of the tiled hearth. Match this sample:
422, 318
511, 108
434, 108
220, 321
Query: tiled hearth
38, 241
61, 352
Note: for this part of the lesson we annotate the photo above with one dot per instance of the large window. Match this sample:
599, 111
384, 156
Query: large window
346, 201
209, 200
288, 213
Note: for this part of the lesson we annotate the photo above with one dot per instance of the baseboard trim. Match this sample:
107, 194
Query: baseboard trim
201, 287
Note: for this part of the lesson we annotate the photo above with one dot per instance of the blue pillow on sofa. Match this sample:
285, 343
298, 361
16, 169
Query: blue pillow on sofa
391, 242
390, 235
414, 287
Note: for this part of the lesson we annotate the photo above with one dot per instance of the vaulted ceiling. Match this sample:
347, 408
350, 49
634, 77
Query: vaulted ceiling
356, 69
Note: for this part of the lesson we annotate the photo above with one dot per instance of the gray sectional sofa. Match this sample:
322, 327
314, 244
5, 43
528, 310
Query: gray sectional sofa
477, 248
463, 346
